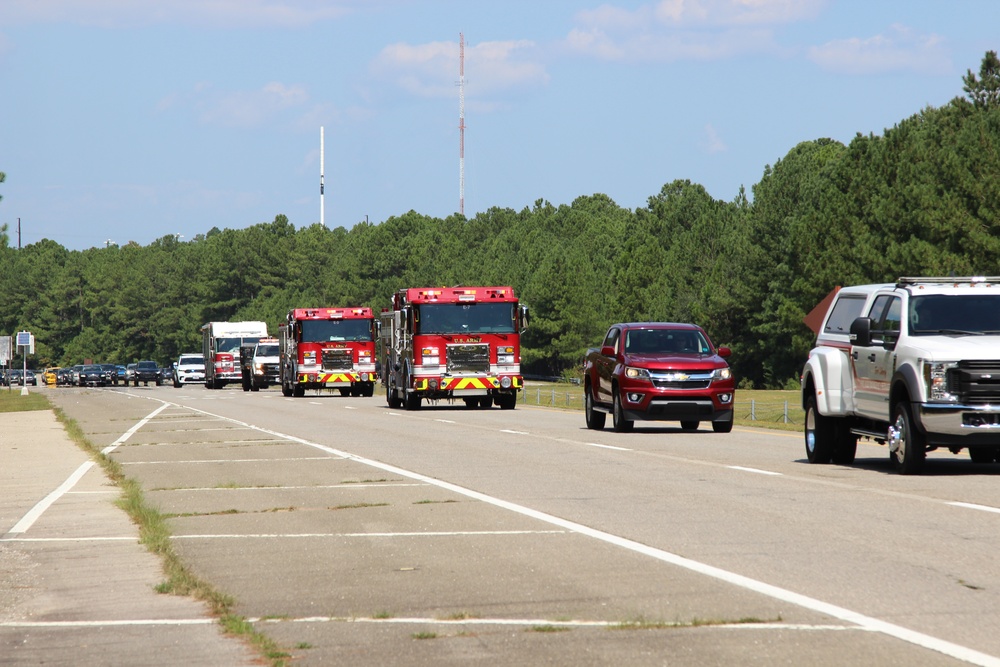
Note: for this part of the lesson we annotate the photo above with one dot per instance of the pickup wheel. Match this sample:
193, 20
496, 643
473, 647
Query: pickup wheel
907, 450
981, 454
723, 427
595, 419
820, 434
621, 424
690, 425
845, 445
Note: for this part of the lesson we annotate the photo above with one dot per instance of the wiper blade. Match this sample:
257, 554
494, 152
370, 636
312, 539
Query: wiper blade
950, 332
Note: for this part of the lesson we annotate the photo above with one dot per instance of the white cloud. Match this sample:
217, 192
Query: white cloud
714, 143
897, 49
218, 13
672, 30
244, 108
432, 69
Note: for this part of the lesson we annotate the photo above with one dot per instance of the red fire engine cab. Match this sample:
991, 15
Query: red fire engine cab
328, 348
453, 342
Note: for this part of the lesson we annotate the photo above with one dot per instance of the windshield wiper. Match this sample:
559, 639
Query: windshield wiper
951, 332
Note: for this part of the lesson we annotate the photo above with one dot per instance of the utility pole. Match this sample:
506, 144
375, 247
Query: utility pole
322, 204
461, 124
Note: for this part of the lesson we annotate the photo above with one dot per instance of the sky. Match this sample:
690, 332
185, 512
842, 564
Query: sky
131, 120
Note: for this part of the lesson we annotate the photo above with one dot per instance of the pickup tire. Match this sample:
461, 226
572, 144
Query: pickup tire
621, 425
907, 449
723, 427
819, 433
595, 419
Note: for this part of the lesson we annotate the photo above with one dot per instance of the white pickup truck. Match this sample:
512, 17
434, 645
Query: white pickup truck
913, 364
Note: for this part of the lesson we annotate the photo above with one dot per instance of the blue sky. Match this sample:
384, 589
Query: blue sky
128, 120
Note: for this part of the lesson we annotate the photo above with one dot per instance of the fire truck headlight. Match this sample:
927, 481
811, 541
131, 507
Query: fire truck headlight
430, 355
309, 357
505, 382
505, 355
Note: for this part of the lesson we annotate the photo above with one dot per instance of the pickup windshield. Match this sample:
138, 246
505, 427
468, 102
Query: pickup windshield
954, 314
464, 318
665, 341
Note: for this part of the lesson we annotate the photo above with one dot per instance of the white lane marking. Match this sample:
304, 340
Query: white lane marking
507, 430
29, 519
159, 463
315, 403
132, 538
597, 444
444, 421
757, 471
287, 488
97, 624
544, 622
350, 407
972, 506
461, 533
870, 623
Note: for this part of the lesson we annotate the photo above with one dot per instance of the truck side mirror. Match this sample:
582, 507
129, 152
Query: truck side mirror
607, 351
724, 352
524, 317
861, 332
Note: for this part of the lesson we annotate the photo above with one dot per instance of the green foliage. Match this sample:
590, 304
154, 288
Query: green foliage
922, 199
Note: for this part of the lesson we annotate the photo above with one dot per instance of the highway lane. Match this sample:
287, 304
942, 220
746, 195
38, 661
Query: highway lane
530, 517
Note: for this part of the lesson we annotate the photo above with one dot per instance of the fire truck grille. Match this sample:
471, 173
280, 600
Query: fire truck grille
473, 358
337, 360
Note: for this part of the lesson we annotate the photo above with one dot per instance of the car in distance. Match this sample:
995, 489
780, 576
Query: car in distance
146, 372
661, 371
93, 375
189, 368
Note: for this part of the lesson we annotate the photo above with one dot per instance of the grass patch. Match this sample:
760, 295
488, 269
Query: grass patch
155, 536
356, 506
433, 502
382, 615
548, 628
424, 635
11, 400
646, 624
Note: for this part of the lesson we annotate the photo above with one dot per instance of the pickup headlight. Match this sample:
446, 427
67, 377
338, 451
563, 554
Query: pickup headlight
936, 379
636, 373
721, 374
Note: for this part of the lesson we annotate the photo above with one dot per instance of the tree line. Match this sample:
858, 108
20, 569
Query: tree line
923, 198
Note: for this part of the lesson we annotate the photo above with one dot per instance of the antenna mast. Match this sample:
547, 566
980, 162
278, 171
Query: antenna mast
461, 124
322, 211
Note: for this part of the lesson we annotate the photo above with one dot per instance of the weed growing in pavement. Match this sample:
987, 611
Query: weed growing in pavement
155, 536
424, 635
642, 623
433, 502
548, 628
356, 506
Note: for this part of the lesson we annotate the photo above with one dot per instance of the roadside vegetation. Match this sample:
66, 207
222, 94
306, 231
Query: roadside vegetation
923, 198
11, 400
154, 534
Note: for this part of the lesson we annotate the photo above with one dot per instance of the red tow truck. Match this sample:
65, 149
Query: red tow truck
328, 348
453, 342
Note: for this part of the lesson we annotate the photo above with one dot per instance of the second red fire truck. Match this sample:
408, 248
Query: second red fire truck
453, 342
331, 348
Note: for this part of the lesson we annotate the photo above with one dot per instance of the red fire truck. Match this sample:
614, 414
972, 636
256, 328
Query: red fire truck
221, 343
328, 348
453, 342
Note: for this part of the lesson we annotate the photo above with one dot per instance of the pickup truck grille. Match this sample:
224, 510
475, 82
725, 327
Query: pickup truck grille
976, 381
337, 359
685, 384
471, 358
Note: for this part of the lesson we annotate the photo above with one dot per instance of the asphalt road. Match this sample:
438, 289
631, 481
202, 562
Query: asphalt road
355, 534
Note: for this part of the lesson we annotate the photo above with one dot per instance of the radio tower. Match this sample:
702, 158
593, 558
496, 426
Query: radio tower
461, 124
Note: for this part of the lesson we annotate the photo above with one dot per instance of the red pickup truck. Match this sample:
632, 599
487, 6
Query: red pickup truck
658, 371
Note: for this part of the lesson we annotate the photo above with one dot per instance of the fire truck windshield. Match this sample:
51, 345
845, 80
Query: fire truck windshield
321, 331
454, 318
231, 344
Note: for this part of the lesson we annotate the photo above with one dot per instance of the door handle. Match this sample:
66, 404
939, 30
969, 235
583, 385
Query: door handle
855, 355
871, 357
